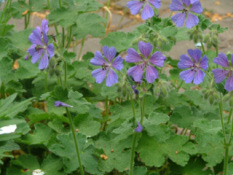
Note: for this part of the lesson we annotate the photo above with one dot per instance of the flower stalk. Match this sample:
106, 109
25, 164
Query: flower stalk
75, 140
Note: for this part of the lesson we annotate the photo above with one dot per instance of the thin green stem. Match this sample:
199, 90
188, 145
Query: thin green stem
132, 103
108, 3
216, 51
221, 115
63, 36
59, 3
48, 2
226, 159
65, 74
180, 85
69, 37
203, 48
133, 153
81, 48
46, 82
229, 117
56, 29
75, 140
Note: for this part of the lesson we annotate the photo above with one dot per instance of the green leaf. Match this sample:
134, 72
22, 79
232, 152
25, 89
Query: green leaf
82, 121
65, 148
6, 68
213, 126
120, 40
169, 31
117, 157
5, 147
41, 135
153, 153
26, 69
69, 55
85, 24
195, 166
87, 5
4, 43
182, 34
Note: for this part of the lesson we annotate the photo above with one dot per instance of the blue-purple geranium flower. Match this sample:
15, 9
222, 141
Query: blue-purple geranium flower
108, 64
194, 65
186, 9
145, 62
147, 12
40, 47
139, 127
60, 103
226, 71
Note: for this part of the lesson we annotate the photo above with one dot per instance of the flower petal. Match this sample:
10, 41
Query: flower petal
60, 103
136, 72
155, 3
139, 128
195, 54
221, 60
35, 37
192, 20
44, 26
196, 7
204, 62
186, 2
45, 38
134, 6
176, 5
178, 19
185, 62
112, 78
50, 50
147, 12
44, 62
145, 48
229, 84
98, 60
151, 74
32, 49
220, 74
157, 59
187, 75
99, 75
132, 56
109, 52
199, 77
118, 63
36, 56
232, 59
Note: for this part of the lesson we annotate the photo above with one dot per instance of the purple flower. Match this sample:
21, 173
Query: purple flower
40, 47
147, 12
59, 104
194, 66
139, 128
145, 62
135, 90
108, 64
221, 74
185, 7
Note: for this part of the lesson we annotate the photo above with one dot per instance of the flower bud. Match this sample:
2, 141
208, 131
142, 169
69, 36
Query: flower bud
211, 98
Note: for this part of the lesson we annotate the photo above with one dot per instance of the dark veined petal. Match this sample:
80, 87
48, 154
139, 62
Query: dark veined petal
36, 56
157, 59
185, 62
99, 75
221, 60
136, 72
151, 74
199, 77
196, 7
147, 12
139, 127
192, 20
44, 62
45, 38
132, 56
187, 75
195, 54
109, 52
59, 103
112, 78
232, 59
98, 60
220, 74
155, 3
204, 62
118, 63
145, 48
178, 19
50, 50
176, 5
32, 49
35, 37
134, 6
186, 2
44, 26
229, 83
